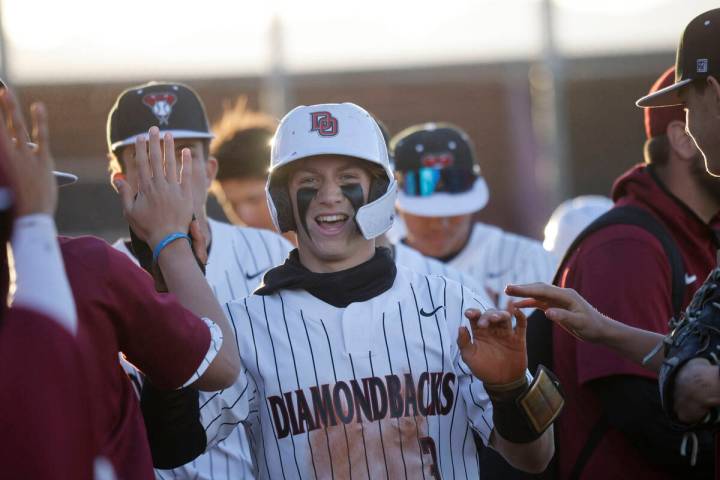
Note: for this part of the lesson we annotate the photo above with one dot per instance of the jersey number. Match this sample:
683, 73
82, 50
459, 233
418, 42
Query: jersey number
427, 444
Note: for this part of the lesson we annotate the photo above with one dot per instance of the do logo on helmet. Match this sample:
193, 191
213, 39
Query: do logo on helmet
324, 124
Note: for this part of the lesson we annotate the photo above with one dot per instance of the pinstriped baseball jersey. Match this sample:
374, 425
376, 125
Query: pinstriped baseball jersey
238, 258
374, 390
495, 258
410, 258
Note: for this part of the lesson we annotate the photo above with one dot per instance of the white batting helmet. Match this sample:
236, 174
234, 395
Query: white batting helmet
332, 129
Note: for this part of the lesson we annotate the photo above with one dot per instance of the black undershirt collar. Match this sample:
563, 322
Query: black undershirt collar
339, 289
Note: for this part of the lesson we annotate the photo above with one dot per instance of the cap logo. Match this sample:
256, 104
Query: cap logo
702, 65
324, 124
437, 160
161, 105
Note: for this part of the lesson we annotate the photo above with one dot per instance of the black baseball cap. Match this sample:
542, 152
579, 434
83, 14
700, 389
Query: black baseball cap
698, 57
172, 107
437, 171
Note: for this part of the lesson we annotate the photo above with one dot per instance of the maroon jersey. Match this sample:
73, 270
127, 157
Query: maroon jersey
119, 311
44, 405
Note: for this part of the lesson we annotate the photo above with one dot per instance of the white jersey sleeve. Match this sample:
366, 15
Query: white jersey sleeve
40, 281
220, 418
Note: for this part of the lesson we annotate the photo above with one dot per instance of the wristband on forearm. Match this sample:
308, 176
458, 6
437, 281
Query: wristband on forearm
521, 411
167, 240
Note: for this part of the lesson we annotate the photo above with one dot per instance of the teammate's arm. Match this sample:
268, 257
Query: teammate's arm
40, 280
163, 206
697, 387
531, 457
571, 311
697, 390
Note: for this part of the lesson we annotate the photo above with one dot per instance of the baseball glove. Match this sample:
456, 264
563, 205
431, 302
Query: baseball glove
695, 334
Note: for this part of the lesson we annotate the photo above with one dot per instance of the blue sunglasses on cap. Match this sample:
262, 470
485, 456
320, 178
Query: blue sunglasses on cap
426, 181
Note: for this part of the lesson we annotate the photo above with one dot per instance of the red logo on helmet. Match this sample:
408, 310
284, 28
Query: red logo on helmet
324, 123
161, 105
437, 160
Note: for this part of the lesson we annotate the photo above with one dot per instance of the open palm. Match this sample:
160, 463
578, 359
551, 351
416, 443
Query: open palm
497, 354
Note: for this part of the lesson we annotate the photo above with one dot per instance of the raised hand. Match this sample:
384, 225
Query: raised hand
497, 354
563, 306
164, 202
30, 165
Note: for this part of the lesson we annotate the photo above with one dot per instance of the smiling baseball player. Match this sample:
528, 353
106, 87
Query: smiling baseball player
236, 258
365, 369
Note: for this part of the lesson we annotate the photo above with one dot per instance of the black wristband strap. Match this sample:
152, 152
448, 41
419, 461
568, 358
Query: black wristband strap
523, 412
508, 391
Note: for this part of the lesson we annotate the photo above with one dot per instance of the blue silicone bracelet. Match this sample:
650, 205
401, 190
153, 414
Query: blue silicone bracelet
167, 241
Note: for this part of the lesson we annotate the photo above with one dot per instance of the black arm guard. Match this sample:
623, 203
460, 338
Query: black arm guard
172, 420
523, 412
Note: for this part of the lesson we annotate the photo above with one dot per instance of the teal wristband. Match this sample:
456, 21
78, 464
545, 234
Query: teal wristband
167, 241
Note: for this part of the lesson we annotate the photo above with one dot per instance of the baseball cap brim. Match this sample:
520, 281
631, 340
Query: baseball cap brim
665, 97
64, 178
446, 204
175, 133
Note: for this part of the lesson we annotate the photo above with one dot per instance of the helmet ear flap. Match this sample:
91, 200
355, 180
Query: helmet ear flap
283, 207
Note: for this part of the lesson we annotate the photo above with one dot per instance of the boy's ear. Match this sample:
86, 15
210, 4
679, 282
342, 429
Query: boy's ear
114, 169
211, 168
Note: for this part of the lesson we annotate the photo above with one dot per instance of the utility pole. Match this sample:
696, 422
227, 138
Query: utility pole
274, 93
3, 49
547, 87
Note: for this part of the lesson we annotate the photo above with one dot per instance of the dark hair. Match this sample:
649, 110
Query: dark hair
657, 150
242, 141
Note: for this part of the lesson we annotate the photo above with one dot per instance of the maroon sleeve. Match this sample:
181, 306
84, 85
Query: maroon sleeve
157, 335
44, 406
624, 273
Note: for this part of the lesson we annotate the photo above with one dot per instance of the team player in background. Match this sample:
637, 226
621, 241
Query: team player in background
440, 189
361, 367
694, 394
613, 411
236, 257
241, 146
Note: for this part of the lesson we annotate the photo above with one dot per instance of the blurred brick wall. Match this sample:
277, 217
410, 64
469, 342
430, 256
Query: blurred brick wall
491, 102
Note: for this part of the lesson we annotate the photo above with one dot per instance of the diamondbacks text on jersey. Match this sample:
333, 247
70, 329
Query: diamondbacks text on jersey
377, 388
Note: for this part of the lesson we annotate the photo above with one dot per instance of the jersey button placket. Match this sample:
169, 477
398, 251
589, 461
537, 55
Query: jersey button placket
357, 329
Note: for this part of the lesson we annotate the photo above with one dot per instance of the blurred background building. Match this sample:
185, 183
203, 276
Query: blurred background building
545, 89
